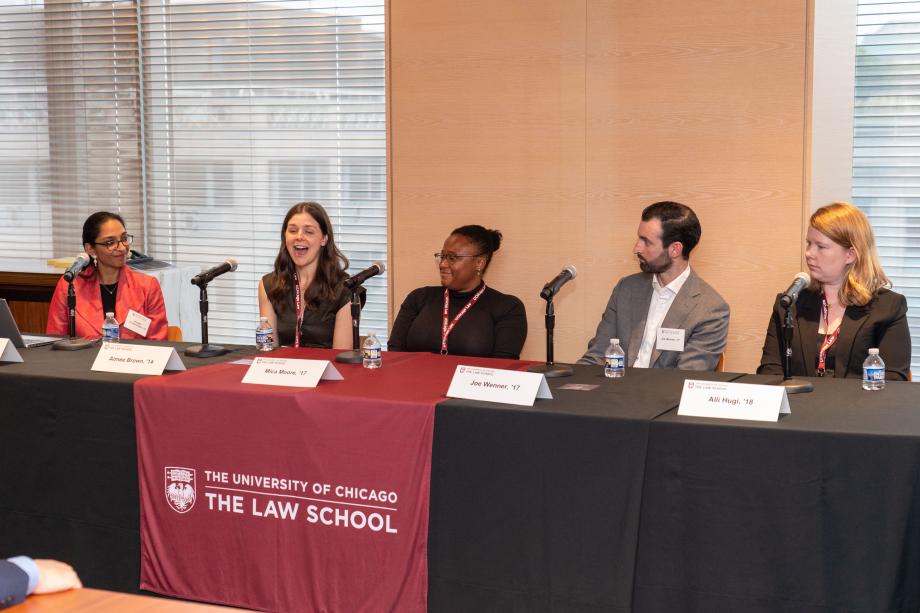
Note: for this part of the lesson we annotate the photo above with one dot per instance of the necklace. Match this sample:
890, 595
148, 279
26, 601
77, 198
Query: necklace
111, 288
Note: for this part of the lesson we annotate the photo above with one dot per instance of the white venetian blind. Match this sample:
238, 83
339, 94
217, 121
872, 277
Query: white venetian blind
251, 107
886, 144
69, 131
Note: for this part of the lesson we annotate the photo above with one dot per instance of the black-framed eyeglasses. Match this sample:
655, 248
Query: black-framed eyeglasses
452, 258
111, 243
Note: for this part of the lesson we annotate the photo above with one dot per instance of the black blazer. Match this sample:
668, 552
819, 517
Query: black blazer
882, 323
14, 582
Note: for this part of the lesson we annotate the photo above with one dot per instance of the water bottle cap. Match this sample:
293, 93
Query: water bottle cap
110, 314
372, 334
615, 340
263, 319
873, 351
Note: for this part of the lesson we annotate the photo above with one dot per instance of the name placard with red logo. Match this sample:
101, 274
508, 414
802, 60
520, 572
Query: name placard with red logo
498, 385
136, 359
733, 400
290, 372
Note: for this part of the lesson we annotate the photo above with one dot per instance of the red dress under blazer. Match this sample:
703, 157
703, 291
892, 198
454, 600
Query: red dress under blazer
135, 291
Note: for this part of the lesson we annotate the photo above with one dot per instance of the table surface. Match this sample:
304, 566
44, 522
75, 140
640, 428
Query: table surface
103, 601
538, 508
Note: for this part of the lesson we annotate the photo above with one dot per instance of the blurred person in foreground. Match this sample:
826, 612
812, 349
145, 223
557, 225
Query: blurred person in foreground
21, 576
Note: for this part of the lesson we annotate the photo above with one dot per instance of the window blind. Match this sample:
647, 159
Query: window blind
69, 134
886, 142
201, 122
252, 107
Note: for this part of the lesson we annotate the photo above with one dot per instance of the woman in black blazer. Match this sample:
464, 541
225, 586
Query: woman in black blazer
846, 310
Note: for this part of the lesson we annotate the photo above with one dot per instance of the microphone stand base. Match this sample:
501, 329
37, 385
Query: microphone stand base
72, 344
205, 351
552, 371
797, 386
350, 357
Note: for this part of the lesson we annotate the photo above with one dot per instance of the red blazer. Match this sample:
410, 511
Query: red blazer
135, 291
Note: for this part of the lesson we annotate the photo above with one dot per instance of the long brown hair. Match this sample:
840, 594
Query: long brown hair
330, 269
849, 227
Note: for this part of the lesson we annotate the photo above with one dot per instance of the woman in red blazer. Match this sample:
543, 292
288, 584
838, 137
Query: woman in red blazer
108, 285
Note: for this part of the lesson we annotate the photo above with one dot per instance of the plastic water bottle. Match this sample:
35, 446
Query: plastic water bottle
873, 372
614, 360
265, 335
111, 331
372, 352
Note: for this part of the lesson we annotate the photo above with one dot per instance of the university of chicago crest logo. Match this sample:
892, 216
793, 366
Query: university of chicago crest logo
180, 488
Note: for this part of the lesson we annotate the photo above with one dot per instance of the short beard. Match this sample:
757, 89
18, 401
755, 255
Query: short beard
656, 266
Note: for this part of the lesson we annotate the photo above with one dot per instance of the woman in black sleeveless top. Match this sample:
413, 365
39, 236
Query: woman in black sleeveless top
303, 298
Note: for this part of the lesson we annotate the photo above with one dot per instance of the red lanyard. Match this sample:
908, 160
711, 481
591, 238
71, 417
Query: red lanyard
445, 328
298, 297
829, 339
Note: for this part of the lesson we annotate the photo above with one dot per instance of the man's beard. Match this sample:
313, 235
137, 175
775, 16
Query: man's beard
656, 266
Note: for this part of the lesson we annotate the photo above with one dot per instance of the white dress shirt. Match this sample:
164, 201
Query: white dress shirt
662, 298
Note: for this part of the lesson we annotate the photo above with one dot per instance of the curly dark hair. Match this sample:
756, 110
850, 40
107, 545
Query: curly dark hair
488, 241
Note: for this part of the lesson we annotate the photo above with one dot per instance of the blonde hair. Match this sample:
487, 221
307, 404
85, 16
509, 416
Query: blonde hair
849, 227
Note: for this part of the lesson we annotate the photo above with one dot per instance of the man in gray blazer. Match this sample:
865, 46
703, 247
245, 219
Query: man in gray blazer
665, 316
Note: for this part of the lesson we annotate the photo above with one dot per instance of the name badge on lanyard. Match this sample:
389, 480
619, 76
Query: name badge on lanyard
445, 327
829, 339
298, 300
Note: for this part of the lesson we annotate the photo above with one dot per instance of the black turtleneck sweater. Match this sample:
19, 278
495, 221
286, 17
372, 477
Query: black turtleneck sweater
495, 327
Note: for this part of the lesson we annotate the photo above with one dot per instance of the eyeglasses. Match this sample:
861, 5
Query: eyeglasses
453, 257
111, 243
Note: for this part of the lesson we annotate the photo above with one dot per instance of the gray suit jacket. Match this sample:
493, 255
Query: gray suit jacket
698, 309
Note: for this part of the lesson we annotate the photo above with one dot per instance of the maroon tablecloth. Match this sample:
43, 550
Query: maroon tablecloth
289, 499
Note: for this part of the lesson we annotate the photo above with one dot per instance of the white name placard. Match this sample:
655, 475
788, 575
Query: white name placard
290, 372
8, 351
733, 400
136, 359
497, 385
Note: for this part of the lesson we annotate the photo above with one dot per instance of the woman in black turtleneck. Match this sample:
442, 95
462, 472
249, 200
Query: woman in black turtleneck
480, 321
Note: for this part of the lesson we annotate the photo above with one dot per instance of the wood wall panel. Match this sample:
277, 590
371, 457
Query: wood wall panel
558, 122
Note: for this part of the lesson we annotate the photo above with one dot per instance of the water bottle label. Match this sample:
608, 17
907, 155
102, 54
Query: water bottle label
372, 353
873, 374
264, 337
109, 333
615, 363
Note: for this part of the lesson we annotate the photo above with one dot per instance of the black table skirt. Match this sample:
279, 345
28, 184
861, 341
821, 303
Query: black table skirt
601, 500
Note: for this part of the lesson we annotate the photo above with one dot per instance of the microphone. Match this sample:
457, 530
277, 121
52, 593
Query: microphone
79, 264
377, 268
203, 278
550, 289
800, 282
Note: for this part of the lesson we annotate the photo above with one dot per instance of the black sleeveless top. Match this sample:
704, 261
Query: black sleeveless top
318, 323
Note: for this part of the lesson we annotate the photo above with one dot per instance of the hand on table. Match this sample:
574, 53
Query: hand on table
54, 576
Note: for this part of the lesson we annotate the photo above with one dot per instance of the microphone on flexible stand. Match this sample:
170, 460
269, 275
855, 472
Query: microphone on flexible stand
550, 369
356, 356
73, 343
206, 350
788, 298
